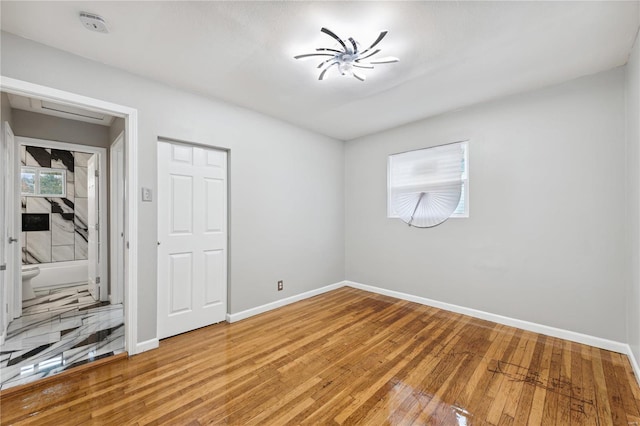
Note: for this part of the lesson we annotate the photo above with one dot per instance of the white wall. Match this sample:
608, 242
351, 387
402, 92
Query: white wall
545, 240
633, 185
286, 184
5, 109
41, 126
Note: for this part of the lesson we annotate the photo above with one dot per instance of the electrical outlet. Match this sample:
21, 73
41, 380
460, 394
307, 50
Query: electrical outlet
280, 286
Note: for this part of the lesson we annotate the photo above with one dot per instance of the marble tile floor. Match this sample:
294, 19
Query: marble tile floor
59, 329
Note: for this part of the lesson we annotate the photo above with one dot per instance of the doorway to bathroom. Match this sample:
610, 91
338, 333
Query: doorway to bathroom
65, 313
63, 198
66, 310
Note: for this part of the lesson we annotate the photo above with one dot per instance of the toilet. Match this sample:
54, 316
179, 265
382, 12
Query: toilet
28, 273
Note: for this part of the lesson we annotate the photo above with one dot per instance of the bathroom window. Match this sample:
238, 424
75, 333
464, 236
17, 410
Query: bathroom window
43, 182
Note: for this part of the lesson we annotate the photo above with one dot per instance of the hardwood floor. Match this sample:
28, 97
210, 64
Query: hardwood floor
345, 357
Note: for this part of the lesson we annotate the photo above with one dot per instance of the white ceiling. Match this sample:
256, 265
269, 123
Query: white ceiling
451, 54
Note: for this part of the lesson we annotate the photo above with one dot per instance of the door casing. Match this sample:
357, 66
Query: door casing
8, 251
96, 223
14, 270
116, 219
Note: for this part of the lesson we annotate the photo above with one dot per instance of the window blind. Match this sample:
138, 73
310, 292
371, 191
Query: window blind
426, 185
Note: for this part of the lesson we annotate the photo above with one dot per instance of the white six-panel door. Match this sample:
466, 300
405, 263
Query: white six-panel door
192, 234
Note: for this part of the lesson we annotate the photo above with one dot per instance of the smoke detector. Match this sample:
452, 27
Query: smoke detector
94, 22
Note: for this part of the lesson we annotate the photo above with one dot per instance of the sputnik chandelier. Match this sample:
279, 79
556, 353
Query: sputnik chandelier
347, 57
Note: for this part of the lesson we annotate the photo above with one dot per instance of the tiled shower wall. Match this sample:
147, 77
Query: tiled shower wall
67, 238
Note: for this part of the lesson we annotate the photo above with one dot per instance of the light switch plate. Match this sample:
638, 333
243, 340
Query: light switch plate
146, 194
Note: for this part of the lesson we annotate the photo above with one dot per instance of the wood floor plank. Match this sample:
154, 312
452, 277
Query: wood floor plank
344, 357
626, 363
600, 388
530, 382
618, 410
550, 410
565, 385
483, 399
504, 391
577, 391
590, 406
624, 379
481, 375
452, 411
542, 378
516, 386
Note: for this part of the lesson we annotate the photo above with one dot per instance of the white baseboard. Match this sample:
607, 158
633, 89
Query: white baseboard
147, 345
282, 302
573, 336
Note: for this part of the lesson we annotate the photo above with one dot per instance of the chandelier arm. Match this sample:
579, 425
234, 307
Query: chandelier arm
378, 40
326, 49
322, 74
367, 56
366, 66
323, 63
359, 76
385, 60
332, 34
355, 46
308, 55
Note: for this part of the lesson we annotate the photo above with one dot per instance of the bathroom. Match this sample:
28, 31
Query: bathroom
54, 219
67, 310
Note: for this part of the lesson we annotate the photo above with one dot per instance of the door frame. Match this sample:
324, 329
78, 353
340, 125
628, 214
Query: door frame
4, 239
130, 115
103, 271
7, 254
227, 213
116, 215
14, 282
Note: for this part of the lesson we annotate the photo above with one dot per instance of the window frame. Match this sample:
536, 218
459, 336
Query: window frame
465, 180
36, 187
465, 183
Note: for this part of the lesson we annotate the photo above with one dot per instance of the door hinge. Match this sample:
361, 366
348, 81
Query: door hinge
97, 280
97, 173
3, 267
97, 226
